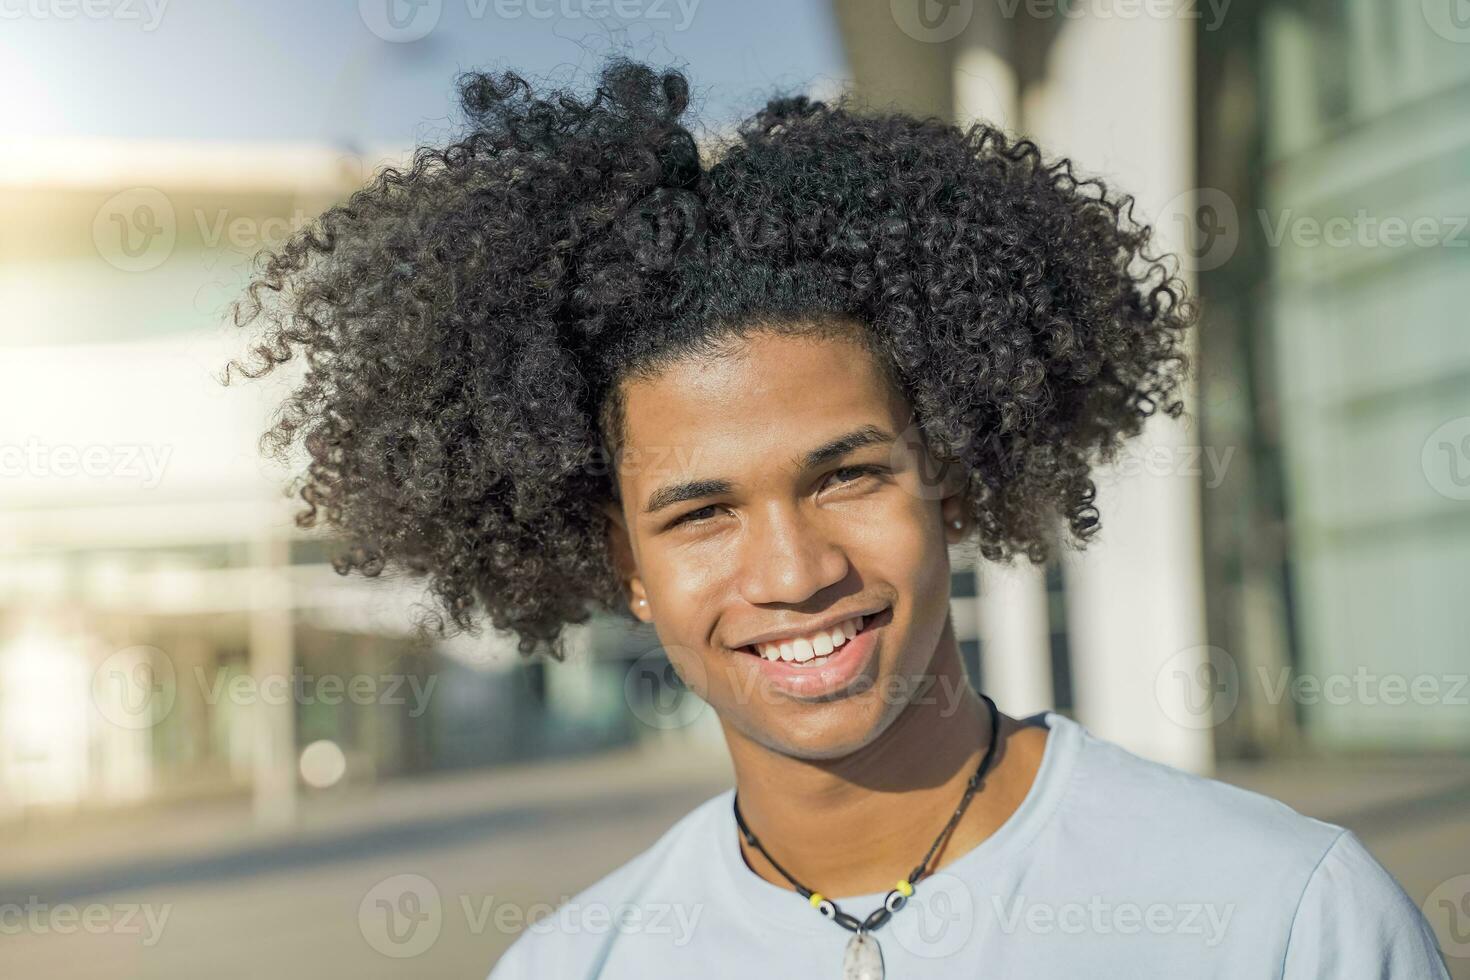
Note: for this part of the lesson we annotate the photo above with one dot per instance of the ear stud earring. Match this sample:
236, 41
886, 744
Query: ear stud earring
956, 524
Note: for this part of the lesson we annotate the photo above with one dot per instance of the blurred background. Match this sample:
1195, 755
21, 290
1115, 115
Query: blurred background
220, 758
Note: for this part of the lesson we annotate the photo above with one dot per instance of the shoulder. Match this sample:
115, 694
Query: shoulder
1172, 808
1341, 913
1355, 920
1146, 828
556, 946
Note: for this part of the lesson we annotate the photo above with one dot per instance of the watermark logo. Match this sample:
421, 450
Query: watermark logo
661, 696
1201, 686
148, 14
245, 233
674, 920
135, 687
1207, 225
401, 916
135, 230
1364, 230
937, 478
932, 21
1101, 917
301, 687
1364, 687
1450, 19
1446, 459
1214, 10
1198, 687
678, 13
1448, 910
924, 688
400, 21
142, 463
1207, 463
937, 919
96, 918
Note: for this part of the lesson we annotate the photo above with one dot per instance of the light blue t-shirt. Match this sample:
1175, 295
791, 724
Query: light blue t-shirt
1114, 866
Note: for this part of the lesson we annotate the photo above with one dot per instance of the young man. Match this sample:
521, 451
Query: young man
813, 366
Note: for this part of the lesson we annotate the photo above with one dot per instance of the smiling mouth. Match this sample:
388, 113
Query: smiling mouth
867, 623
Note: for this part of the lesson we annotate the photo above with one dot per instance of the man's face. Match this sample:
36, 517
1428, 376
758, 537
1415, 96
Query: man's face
750, 535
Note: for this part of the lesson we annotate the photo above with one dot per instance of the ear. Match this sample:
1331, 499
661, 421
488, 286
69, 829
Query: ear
953, 506
620, 547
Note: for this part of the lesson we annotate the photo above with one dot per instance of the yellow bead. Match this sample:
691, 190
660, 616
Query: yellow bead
816, 899
904, 888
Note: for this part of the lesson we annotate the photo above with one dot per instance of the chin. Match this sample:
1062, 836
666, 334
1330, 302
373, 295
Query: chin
824, 732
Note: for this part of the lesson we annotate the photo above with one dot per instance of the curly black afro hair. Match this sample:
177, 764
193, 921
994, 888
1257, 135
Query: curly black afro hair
466, 324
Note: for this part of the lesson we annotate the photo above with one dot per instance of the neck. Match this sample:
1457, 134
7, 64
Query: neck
855, 824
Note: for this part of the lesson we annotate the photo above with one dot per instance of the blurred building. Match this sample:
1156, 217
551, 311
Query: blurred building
1306, 522
166, 631
1104, 633
1286, 568
1341, 132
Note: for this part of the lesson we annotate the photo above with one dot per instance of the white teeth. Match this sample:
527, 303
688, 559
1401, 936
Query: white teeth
818, 645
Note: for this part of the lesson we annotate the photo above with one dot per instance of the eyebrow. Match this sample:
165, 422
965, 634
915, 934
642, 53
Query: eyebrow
677, 493
868, 435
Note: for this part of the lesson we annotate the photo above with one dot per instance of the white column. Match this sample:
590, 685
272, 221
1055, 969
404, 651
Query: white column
985, 83
1118, 99
1015, 637
271, 658
1015, 645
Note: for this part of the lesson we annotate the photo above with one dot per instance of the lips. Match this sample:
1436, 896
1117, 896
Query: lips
825, 676
811, 648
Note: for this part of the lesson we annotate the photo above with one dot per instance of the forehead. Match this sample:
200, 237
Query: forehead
755, 406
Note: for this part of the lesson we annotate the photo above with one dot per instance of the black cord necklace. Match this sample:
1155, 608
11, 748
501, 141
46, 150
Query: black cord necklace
864, 958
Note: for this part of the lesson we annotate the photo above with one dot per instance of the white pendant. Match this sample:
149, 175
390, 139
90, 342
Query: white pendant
863, 959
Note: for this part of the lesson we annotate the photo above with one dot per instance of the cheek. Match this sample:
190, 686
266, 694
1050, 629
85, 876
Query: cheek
684, 595
902, 543
693, 580
908, 550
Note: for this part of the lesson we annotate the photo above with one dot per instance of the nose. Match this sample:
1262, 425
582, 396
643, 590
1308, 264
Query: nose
787, 557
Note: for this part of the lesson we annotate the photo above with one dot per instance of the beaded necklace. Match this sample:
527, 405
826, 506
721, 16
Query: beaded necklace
864, 959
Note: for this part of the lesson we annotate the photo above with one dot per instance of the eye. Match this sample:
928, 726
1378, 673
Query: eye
865, 469
691, 517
